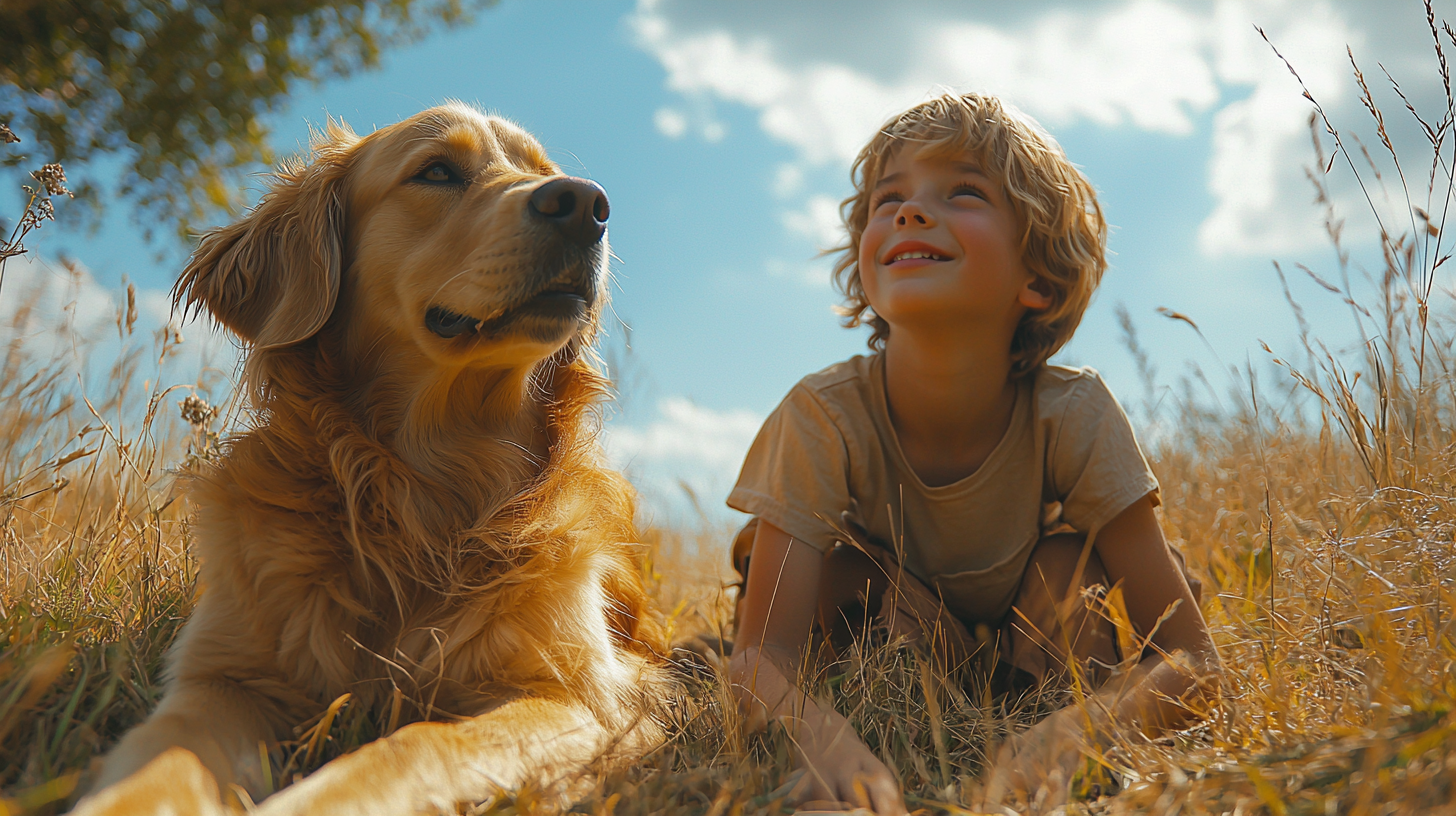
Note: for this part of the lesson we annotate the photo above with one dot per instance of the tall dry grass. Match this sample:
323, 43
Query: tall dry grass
1322, 526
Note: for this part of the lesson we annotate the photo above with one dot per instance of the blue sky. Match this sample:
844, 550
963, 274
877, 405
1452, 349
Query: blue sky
723, 132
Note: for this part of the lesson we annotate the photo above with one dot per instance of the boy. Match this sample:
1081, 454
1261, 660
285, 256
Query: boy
1003, 486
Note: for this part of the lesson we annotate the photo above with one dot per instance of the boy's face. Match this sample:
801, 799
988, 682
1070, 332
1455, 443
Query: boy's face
941, 249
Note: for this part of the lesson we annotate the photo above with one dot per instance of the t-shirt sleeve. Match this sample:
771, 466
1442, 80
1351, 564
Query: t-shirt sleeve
1094, 462
796, 474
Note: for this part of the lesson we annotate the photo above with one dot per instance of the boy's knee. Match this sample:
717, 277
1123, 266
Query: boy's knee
1053, 567
1052, 624
850, 576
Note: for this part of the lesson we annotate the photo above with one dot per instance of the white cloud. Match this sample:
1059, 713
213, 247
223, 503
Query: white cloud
823, 111
674, 124
818, 271
1154, 65
57, 313
670, 123
686, 446
1262, 143
818, 221
788, 180
685, 431
713, 130
1139, 64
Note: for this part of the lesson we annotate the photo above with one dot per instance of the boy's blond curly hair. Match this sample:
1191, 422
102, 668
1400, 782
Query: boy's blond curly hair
1063, 232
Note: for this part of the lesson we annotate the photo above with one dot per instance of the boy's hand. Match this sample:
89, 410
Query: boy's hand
839, 768
1045, 756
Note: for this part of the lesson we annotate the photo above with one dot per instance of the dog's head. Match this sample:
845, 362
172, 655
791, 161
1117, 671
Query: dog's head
448, 242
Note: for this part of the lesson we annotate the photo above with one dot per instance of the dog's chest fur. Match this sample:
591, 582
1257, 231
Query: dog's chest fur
341, 570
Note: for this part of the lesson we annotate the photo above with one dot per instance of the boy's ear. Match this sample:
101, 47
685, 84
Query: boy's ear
1036, 293
273, 276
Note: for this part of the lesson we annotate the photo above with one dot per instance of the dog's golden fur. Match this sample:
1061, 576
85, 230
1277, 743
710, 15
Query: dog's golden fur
414, 517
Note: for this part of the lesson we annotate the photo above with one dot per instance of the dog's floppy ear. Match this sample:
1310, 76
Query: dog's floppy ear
273, 276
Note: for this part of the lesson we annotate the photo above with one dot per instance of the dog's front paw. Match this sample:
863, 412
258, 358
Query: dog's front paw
173, 784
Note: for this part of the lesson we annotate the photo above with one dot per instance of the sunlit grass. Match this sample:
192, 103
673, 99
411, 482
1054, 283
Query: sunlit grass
1339, 689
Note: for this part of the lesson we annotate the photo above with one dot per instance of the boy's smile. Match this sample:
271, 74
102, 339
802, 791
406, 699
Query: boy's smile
912, 255
941, 247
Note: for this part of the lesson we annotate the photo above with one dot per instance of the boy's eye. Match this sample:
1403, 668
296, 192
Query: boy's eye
967, 190
886, 198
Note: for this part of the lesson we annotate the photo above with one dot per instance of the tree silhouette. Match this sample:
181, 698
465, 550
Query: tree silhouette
177, 89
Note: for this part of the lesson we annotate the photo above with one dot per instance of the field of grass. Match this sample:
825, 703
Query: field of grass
1318, 507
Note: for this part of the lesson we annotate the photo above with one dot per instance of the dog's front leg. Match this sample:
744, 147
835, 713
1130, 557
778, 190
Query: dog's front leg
202, 738
431, 767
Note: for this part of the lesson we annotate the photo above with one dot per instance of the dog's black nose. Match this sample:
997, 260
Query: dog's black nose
575, 206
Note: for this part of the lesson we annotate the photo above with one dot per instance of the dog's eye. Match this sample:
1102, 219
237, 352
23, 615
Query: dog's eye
438, 173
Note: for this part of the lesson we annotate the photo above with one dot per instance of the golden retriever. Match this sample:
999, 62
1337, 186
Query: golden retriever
420, 517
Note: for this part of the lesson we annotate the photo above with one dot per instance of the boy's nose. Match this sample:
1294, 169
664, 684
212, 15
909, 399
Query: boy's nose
911, 214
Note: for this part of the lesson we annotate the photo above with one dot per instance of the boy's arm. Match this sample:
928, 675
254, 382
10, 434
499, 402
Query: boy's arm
778, 613
1160, 694
1134, 553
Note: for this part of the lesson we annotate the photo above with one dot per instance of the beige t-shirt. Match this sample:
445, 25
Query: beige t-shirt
829, 447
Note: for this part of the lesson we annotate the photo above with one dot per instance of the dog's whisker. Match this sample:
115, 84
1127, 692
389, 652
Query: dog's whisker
447, 282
